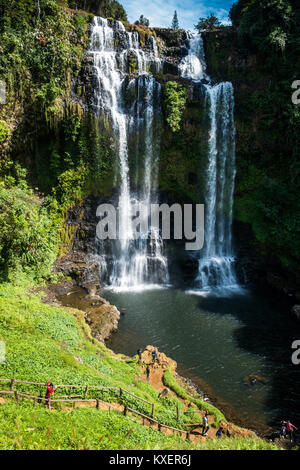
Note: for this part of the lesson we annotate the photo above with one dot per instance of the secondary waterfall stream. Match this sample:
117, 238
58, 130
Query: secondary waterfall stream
216, 260
135, 110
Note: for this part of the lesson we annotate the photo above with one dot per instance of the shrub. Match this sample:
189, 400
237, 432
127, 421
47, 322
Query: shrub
175, 97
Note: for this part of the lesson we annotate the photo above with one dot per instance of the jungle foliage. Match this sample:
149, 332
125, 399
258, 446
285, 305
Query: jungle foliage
175, 97
105, 8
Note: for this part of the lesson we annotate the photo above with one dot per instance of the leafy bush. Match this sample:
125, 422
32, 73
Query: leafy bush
4, 132
28, 237
264, 25
175, 97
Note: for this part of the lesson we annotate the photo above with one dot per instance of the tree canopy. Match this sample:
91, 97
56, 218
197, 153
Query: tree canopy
210, 23
267, 25
142, 21
106, 8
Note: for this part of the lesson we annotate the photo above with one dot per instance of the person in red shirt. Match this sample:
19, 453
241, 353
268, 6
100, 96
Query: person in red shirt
50, 389
290, 428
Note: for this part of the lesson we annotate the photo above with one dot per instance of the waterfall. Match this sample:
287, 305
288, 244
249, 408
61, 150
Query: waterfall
216, 260
134, 107
193, 65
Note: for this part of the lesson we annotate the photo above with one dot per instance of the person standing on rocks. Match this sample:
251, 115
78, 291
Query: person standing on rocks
148, 373
154, 355
290, 428
205, 424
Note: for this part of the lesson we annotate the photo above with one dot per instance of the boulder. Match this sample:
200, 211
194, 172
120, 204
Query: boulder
103, 321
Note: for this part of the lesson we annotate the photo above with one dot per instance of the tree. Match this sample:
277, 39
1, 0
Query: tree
142, 21
265, 26
211, 23
175, 23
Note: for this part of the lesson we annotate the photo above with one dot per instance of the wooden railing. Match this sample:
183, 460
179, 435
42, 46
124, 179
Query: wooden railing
86, 389
78, 399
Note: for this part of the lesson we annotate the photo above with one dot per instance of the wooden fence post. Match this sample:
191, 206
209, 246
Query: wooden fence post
16, 396
49, 403
178, 413
121, 392
86, 391
188, 436
97, 403
12, 384
159, 427
152, 414
125, 410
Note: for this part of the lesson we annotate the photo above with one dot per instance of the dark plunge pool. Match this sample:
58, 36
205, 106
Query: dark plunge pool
218, 341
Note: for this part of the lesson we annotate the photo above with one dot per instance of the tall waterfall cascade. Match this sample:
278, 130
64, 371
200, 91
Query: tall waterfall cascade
133, 102
216, 259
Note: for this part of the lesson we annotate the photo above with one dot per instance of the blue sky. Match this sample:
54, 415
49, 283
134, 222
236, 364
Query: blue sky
160, 12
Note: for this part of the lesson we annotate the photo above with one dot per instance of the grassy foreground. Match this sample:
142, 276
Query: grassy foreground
48, 343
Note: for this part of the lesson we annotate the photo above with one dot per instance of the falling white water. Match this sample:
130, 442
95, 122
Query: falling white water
216, 260
193, 65
131, 264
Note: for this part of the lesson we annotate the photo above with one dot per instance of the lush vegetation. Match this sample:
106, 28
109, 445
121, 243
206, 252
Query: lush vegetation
28, 237
266, 26
41, 129
38, 48
175, 97
171, 383
105, 8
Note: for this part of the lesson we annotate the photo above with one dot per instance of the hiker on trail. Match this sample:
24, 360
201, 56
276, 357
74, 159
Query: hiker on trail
50, 389
154, 355
290, 428
205, 424
139, 351
148, 373
219, 432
